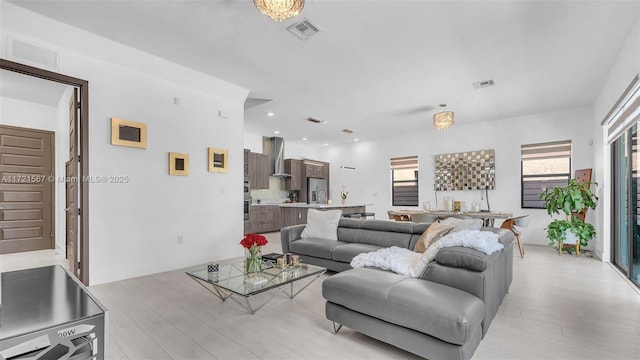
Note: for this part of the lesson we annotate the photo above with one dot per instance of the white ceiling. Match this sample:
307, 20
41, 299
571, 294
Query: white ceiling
377, 67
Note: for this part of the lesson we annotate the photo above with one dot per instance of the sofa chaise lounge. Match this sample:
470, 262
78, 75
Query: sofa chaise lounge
442, 314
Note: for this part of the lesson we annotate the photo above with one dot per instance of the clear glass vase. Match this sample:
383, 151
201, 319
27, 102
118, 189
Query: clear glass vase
253, 263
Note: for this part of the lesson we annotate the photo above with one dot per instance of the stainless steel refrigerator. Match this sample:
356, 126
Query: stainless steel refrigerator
317, 192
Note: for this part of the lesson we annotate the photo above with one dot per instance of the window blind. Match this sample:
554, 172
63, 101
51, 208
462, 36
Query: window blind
549, 150
625, 112
407, 162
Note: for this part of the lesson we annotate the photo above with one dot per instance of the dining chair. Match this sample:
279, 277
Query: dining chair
397, 217
519, 221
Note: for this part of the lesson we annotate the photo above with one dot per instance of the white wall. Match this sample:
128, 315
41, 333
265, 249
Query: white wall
292, 150
31, 115
134, 226
624, 69
370, 182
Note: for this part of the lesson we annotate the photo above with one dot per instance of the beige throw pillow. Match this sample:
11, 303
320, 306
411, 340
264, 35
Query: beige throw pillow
434, 232
322, 224
463, 224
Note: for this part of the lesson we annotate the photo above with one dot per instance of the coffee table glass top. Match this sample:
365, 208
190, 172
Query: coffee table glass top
232, 277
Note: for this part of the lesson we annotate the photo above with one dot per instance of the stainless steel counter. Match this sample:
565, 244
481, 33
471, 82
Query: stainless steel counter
46, 309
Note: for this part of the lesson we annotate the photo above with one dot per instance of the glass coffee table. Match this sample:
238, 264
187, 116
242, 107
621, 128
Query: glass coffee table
232, 282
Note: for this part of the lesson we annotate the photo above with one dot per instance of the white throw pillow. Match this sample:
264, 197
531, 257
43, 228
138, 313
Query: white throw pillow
322, 224
463, 224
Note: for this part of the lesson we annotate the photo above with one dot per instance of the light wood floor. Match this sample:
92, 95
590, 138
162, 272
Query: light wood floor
558, 307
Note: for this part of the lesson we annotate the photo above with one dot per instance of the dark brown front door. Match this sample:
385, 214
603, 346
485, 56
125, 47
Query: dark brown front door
26, 189
72, 182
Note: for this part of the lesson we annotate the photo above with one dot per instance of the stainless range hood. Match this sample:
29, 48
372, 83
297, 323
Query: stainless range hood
274, 147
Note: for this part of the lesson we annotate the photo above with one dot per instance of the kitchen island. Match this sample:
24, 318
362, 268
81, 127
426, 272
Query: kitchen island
272, 217
296, 213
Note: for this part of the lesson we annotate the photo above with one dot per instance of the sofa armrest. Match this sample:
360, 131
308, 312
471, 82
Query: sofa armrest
289, 234
490, 284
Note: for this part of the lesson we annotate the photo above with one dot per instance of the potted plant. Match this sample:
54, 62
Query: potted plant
570, 200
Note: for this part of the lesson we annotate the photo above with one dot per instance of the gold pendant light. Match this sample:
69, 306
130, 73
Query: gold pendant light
279, 10
443, 120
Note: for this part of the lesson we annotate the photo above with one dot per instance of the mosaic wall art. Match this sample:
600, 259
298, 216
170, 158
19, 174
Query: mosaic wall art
471, 170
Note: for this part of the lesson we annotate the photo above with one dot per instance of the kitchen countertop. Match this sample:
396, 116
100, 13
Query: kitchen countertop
322, 206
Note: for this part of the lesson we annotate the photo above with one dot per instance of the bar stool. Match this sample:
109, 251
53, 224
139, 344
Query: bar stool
511, 223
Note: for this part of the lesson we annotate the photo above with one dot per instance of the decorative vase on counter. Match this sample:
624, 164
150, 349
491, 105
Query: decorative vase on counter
344, 201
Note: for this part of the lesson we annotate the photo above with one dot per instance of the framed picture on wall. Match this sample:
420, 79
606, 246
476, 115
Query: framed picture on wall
178, 164
128, 133
218, 160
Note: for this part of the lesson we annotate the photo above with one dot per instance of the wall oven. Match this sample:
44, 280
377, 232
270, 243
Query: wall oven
247, 199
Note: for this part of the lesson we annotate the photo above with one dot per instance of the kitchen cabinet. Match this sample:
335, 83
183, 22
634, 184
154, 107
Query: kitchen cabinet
294, 168
314, 169
325, 173
258, 168
265, 218
246, 164
294, 216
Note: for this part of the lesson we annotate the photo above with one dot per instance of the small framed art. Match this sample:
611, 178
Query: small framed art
218, 160
178, 164
128, 133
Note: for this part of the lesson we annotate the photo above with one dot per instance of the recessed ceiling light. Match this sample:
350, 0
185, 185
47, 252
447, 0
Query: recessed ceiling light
270, 114
356, 139
304, 139
276, 132
326, 144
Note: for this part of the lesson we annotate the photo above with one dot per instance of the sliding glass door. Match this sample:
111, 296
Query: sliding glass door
620, 203
634, 248
626, 204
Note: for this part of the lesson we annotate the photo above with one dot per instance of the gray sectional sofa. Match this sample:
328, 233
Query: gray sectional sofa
443, 314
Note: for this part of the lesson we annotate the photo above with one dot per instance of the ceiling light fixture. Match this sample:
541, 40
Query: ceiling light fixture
443, 120
269, 114
279, 10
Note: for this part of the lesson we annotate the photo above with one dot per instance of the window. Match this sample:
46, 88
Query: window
404, 181
545, 165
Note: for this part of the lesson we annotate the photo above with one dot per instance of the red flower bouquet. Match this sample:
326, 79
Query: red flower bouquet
252, 240
254, 243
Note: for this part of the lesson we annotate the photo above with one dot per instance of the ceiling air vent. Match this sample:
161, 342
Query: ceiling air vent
303, 29
316, 121
483, 84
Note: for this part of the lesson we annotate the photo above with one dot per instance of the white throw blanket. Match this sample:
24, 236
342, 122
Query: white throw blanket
406, 262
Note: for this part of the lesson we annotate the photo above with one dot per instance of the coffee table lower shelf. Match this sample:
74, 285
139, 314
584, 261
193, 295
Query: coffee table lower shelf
232, 282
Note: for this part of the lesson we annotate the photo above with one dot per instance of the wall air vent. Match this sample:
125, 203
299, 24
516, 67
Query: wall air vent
483, 84
31, 54
303, 29
316, 121
347, 131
